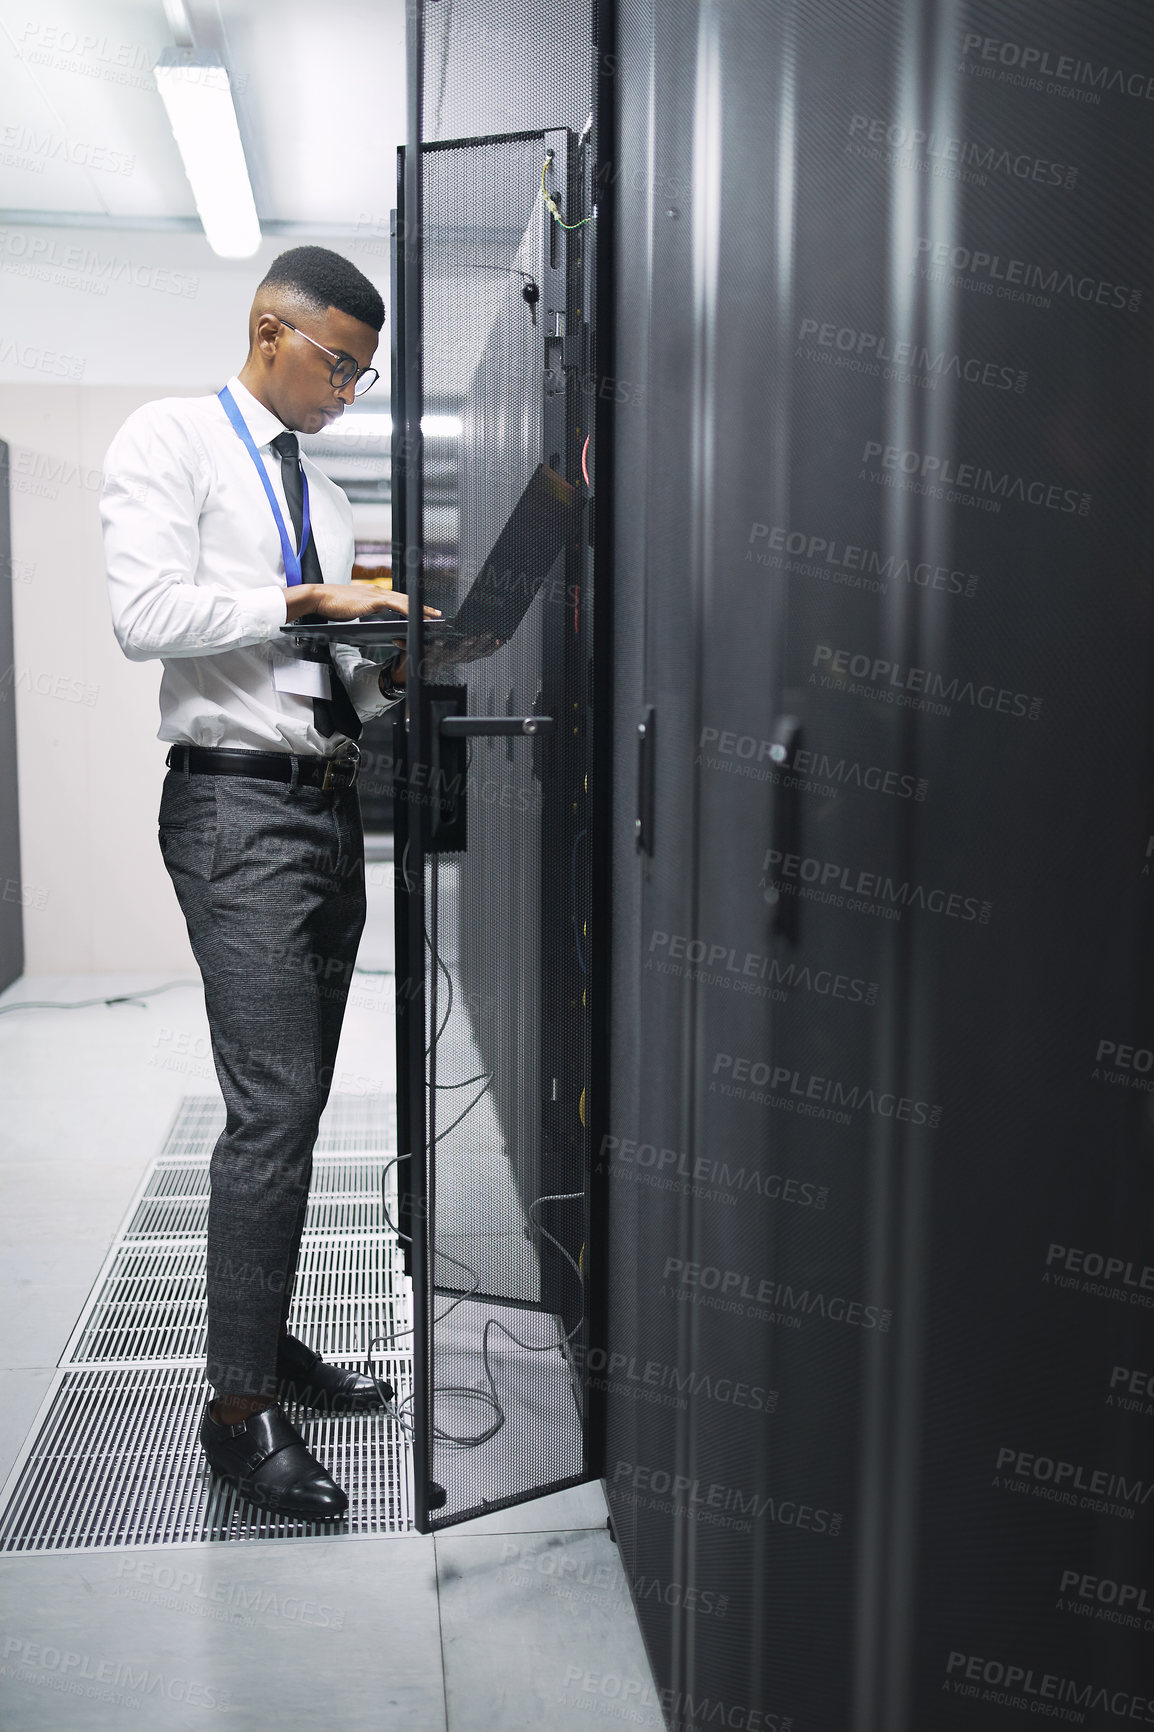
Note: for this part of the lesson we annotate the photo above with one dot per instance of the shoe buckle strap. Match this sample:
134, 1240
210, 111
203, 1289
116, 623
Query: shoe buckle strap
257, 1457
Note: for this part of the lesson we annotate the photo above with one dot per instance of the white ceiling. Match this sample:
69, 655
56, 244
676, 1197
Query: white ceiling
319, 95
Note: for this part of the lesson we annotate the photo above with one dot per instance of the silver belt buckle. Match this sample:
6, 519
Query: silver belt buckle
347, 759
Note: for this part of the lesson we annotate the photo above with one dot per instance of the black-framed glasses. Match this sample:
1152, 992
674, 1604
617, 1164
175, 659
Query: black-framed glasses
345, 369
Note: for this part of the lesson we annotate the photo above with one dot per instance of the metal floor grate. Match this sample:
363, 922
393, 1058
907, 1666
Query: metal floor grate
345, 1197
113, 1460
150, 1304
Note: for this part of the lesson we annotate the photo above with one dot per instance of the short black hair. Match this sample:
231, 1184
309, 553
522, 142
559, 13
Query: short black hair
326, 280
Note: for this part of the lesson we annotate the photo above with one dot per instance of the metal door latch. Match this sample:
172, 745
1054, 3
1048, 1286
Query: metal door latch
449, 730
465, 727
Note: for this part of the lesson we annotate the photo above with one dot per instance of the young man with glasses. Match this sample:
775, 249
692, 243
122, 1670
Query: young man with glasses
217, 533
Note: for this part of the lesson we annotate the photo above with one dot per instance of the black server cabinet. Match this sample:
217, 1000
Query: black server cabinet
879, 1158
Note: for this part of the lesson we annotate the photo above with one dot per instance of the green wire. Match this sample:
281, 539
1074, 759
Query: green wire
551, 203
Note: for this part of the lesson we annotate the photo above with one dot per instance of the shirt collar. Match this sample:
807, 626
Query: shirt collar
261, 422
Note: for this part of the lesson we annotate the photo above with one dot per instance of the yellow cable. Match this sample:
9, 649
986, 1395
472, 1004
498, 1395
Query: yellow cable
551, 203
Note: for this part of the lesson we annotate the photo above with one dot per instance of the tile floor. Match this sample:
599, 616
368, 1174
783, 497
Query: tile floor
517, 1620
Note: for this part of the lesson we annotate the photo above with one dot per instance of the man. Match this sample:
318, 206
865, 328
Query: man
215, 536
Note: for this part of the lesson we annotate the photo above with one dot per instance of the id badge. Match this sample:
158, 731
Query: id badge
303, 679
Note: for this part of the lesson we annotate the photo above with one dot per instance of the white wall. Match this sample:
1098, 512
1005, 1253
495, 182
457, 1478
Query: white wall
97, 897
141, 307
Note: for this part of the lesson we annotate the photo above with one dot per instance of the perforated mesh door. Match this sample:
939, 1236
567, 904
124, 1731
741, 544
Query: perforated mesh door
505, 885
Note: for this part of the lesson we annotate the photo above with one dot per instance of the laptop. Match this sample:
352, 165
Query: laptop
500, 595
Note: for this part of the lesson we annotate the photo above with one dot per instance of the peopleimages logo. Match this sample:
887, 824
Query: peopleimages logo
1036, 64
1068, 1482
1124, 1066
861, 891
848, 1097
1105, 1276
875, 354
675, 1169
809, 769
954, 158
712, 1502
35, 359
228, 1602
78, 1674
30, 147
1009, 279
47, 685
1104, 1591
965, 483
618, 1371
1011, 1686
636, 1700
688, 1280
1131, 1390
845, 562
913, 687
751, 964
40, 255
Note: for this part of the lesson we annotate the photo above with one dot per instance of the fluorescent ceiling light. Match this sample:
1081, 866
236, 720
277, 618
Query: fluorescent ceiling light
378, 426
196, 94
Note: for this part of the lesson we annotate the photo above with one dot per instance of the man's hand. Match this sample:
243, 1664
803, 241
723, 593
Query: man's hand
345, 601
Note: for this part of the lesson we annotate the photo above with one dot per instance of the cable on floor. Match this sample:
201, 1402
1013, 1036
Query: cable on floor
398, 1410
85, 1003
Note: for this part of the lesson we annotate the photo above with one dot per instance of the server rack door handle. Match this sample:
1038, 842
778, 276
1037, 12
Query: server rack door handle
646, 750
458, 727
785, 742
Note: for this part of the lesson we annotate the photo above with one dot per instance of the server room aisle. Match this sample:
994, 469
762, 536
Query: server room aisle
517, 1620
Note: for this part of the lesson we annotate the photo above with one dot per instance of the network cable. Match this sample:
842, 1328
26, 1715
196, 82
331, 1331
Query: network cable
85, 1003
551, 203
489, 1397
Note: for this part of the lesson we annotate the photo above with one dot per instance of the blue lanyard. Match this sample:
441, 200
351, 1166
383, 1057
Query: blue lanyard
292, 559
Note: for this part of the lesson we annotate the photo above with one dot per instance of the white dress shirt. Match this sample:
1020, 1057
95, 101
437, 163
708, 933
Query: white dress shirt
196, 574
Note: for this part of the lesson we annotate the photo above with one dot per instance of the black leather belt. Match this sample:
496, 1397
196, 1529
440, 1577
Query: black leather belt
334, 775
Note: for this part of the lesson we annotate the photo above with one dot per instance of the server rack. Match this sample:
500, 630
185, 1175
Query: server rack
883, 582
876, 439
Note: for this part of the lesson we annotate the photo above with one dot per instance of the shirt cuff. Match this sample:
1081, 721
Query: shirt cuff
264, 610
364, 689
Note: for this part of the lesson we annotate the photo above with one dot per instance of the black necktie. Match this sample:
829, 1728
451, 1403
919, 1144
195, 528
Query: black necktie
335, 714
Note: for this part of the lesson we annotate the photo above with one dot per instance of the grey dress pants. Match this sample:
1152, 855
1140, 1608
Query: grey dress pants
271, 882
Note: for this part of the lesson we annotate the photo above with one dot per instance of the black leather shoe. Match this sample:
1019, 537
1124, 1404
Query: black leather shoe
305, 1377
267, 1460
